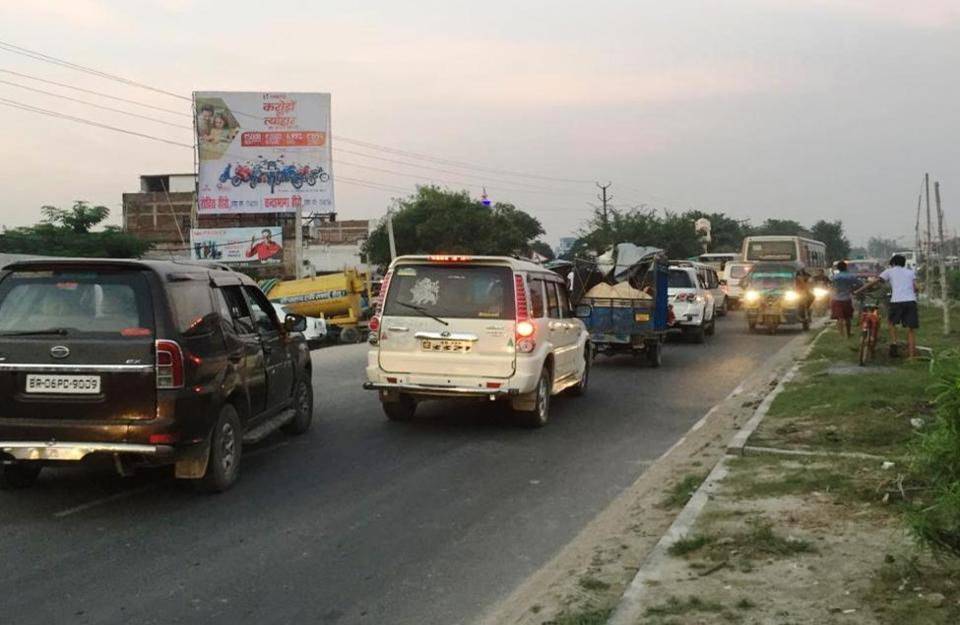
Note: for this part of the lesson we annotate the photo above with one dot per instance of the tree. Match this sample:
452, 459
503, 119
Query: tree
79, 218
878, 247
783, 227
543, 249
435, 220
66, 232
831, 233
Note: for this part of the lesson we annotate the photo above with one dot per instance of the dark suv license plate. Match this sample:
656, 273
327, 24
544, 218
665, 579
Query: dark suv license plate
62, 384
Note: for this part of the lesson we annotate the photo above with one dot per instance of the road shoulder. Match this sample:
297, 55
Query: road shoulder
588, 576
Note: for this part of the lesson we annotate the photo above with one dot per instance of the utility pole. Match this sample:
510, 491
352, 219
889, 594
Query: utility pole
916, 242
603, 197
393, 242
929, 246
943, 265
298, 238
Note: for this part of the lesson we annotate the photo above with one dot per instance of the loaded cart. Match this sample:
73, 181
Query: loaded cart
625, 308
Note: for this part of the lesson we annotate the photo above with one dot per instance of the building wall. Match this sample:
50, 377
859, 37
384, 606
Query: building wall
158, 217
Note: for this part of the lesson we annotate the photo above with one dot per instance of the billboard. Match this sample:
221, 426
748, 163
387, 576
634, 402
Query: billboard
263, 245
263, 152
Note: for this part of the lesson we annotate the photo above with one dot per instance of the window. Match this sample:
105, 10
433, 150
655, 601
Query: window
679, 279
260, 308
536, 298
194, 310
456, 291
237, 308
553, 302
80, 302
562, 298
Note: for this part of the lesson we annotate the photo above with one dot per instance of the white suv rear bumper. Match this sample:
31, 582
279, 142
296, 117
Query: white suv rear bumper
524, 380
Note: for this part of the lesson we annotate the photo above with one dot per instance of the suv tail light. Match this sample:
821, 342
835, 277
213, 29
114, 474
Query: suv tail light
686, 297
523, 312
524, 329
374, 324
169, 364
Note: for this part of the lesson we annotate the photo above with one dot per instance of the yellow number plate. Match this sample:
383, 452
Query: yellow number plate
641, 317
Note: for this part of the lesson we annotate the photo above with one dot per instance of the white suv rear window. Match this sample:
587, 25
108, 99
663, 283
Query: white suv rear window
455, 291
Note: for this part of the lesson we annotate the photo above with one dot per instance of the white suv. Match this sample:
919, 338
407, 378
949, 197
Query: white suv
693, 304
475, 326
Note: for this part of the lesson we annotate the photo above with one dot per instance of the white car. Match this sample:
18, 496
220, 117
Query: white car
733, 275
475, 327
316, 330
693, 305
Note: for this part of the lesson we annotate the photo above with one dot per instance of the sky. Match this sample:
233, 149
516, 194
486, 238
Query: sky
793, 109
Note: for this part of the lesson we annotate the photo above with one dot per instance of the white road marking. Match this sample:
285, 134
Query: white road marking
103, 500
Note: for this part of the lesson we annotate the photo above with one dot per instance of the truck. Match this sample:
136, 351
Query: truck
342, 299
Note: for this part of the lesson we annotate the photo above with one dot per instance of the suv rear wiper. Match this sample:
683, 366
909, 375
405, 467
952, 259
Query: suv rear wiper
48, 332
422, 311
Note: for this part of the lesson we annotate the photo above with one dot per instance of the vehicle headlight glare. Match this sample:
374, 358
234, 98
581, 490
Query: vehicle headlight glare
791, 296
820, 292
751, 296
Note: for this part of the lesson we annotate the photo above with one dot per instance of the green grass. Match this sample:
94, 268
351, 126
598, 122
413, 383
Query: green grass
589, 616
685, 546
593, 584
759, 540
867, 412
849, 481
682, 491
674, 606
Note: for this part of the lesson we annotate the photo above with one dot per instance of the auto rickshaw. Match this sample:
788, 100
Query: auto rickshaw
772, 296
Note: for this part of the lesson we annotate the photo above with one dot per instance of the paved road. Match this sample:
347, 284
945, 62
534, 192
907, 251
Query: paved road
361, 520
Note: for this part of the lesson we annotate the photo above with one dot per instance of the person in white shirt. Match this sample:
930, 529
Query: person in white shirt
903, 302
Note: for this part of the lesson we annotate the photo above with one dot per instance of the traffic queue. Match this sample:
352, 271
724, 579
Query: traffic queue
181, 364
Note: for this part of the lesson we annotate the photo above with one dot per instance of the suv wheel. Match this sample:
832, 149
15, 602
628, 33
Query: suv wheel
580, 388
538, 417
303, 404
711, 327
403, 409
226, 447
20, 475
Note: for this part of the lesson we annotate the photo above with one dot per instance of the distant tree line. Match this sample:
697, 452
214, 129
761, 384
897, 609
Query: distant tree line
68, 232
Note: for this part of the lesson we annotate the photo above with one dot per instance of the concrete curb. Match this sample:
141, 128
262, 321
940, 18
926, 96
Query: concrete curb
633, 602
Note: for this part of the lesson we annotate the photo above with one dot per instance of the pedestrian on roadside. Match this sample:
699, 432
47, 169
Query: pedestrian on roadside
903, 302
841, 302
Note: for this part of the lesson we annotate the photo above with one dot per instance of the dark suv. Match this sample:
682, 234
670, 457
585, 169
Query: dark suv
145, 362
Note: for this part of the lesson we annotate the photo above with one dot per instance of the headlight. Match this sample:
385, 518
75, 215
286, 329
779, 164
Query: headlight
791, 296
751, 296
820, 292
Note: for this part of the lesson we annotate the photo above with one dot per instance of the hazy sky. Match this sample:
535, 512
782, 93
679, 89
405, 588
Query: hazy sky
800, 109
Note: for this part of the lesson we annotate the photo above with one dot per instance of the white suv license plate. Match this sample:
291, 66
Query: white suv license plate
445, 345
63, 384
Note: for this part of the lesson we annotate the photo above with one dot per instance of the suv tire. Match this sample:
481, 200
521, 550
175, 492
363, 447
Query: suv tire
303, 404
711, 328
20, 475
580, 388
226, 447
538, 417
403, 409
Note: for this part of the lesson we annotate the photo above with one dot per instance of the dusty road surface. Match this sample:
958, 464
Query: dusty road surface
361, 520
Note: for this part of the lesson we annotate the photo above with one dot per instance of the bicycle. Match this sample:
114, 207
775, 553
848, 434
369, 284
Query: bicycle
869, 322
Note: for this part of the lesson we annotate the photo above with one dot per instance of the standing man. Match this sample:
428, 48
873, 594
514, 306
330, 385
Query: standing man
903, 303
841, 303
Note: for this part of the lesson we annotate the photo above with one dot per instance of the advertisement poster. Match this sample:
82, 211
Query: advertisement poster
263, 245
263, 152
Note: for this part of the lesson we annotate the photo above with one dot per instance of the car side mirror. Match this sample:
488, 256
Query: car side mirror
295, 323
582, 311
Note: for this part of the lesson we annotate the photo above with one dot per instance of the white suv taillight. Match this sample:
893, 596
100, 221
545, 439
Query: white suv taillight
525, 330
169, 364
